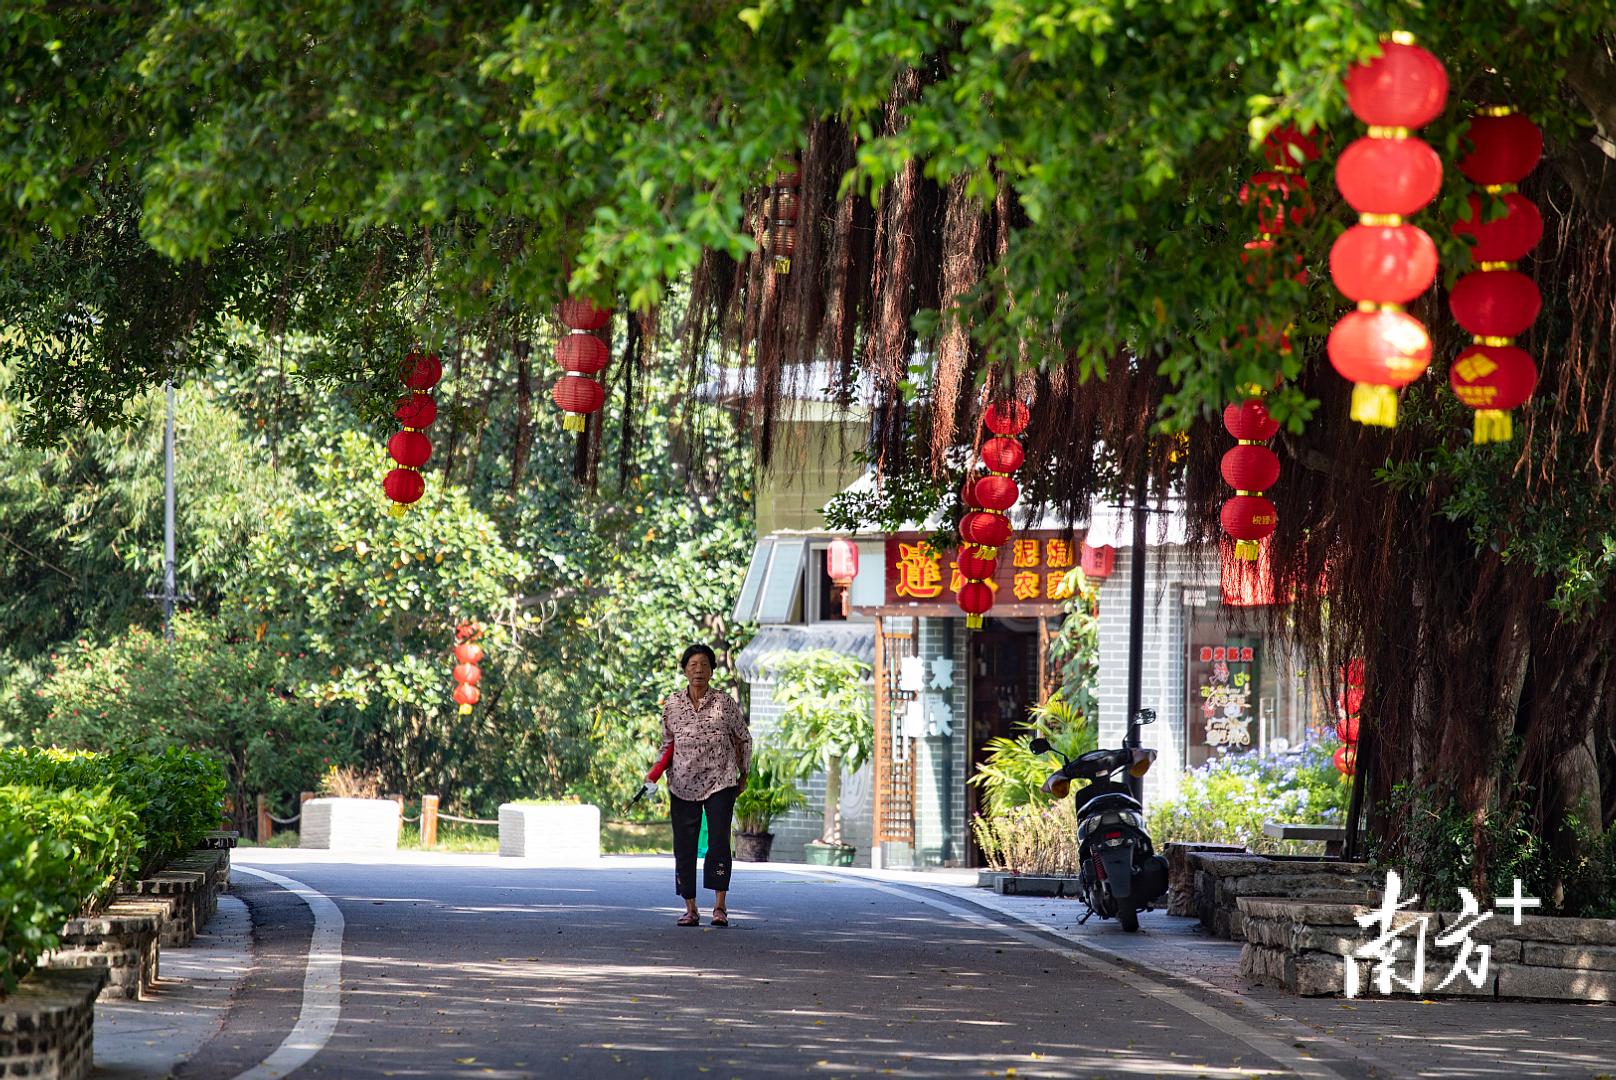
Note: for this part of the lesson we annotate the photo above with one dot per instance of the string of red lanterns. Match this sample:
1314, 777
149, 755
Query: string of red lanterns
986, 524
781, 238
1496, 302
1250, 468
467, 674
582, 354
409, 447
1348, 705
1383, 262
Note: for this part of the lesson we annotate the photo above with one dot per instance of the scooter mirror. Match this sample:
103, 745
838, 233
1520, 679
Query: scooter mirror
1041, 745
1147, 716
1058, 785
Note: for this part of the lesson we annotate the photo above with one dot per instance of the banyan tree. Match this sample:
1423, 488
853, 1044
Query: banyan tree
991, 200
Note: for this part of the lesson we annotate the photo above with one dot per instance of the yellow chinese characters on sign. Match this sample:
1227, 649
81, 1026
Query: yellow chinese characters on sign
1055, 585
920, 574
1026, 553
1059, 554
1025, 585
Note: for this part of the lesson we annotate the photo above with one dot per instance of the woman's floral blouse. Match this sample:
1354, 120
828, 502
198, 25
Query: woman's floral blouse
712, 745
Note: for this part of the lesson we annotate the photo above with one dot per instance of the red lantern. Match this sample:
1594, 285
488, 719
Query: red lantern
467, 695
1495, 303
1346, 760
1493, 379
579, 396
780, 238
1249, 421
984, 528
1287, 148
1346, 730
994, 492
410, 448
1378, 351
1249, 519
1007, 417
468, 673
842, 561
1404, 87
403, 486
1098, 562
1383, 264
468, 652
1281, 198
421, 371
582, 315
581, 354
416, 411
974, 565
975, 599
1388, 176
1505, 147
1350, 702
1002, 455
1505, 239
1249, 467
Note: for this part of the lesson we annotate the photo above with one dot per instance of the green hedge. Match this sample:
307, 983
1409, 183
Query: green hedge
177, 796
60, 851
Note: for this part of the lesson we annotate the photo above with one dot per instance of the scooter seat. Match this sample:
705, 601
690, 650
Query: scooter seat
1097, 798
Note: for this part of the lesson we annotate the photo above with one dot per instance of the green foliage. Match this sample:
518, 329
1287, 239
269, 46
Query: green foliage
98, 828
824, 700
38, 893
229, 698
1012, 775
177, 796
768, 794
1030, 839
1227, 800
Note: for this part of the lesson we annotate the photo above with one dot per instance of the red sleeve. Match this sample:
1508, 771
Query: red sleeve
661, 766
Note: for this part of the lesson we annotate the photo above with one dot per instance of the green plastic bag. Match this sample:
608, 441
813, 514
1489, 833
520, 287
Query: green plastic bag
701, 844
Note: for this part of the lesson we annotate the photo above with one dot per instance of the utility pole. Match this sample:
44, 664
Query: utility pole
1136, 626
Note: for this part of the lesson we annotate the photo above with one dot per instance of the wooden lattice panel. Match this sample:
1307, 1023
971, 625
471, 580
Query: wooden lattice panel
895, 639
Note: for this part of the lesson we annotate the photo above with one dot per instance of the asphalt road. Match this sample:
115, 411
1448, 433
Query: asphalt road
472, 969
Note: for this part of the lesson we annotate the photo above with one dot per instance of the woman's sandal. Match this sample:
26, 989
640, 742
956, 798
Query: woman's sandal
689, 918
720, 917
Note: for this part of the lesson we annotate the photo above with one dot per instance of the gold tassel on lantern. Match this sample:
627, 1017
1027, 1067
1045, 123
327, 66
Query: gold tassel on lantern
1492, 426
973, 622
1374, 404
573, 422
1248, 550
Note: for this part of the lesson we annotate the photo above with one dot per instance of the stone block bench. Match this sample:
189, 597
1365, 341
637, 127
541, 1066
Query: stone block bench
1302, 946
550, 834
46, 1025
1181, 875
1221, 880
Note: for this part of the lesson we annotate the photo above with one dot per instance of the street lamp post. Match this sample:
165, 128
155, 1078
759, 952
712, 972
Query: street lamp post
1136, 627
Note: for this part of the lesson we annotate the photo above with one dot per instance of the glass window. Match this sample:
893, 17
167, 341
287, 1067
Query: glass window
1244, 693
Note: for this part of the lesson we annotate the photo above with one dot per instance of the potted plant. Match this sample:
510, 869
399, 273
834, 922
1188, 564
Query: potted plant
825, 724
769, 793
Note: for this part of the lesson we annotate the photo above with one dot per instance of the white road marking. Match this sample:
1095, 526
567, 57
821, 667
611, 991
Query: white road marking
322, 983
1278, 1050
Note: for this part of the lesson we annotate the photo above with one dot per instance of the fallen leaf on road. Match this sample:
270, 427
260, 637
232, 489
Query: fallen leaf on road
465, 1061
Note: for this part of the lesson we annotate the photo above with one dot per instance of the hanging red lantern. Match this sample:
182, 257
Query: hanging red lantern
1287, 148
408, 448
1249, 519
1505, 147
1007, 417
1249, 467
1495, 303
403, 486
1282, 199
1504, 239
1097, 562
468, 673
1249, 421
1403, 87
1378, 351
582, 355
468, 652
1346, 729
1383, 263
1346, 760
985, 528
974, 565
780, 238
1002, 455
1388, 176
842, 561
974, 598
467, 695
995, 492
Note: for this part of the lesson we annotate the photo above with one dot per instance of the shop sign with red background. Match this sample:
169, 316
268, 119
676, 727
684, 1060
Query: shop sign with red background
1032, 568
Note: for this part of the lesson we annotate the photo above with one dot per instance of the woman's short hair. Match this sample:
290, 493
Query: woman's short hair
698, 650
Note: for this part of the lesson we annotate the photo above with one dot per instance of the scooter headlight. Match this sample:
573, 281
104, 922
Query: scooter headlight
1058, 785
1142, 760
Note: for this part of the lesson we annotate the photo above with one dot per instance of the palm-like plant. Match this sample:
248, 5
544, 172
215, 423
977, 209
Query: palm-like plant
769, 793
1013, 775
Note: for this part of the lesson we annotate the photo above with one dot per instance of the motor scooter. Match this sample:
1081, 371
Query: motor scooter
1119, 872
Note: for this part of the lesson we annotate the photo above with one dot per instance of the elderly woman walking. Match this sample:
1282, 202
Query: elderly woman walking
712, 751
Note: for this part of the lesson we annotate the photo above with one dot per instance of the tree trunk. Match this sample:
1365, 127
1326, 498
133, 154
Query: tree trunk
833, 800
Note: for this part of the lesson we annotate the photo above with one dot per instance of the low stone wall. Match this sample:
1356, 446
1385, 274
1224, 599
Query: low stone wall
1181, 875
46, 1025
1302, 946
1222, 880
122, 940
